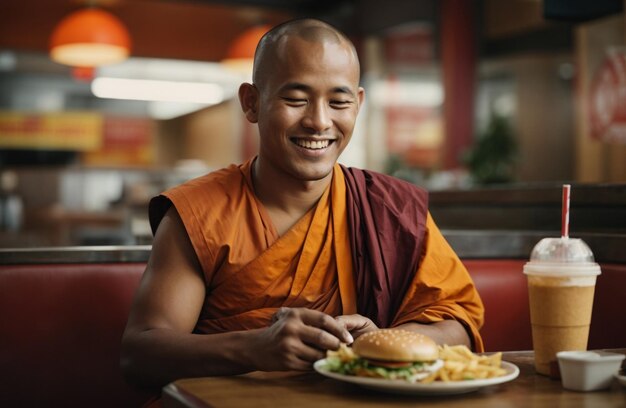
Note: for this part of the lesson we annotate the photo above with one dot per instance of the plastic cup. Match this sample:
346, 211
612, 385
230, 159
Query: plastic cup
561, 276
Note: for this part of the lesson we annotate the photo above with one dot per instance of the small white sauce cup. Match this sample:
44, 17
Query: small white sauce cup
588, 370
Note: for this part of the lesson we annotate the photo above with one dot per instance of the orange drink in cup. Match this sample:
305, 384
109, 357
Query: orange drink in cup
561, 276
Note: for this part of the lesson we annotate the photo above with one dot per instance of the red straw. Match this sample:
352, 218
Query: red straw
565, 211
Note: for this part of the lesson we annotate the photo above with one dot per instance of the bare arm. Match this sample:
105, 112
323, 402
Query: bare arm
158, 345
449, 332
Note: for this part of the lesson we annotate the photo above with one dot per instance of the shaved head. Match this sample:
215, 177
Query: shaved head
315, 31
305, 99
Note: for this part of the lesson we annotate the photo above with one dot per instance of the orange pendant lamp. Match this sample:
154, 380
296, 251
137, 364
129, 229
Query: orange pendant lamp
90, 37
241, 51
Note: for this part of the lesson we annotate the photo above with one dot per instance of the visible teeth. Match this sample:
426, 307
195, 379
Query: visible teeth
312, 144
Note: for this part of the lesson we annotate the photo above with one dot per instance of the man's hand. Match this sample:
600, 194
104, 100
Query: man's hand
444, 332
356, 324
297, 338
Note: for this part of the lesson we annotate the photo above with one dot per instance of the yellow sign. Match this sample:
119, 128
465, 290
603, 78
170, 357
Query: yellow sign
81, 131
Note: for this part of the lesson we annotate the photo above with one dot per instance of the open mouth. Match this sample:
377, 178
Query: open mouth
312, 144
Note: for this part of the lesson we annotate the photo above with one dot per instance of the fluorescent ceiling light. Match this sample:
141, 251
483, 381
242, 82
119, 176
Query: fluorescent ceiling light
157, 90
172, 70
168, 110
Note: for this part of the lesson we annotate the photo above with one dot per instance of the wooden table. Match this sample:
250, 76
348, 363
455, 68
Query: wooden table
315, 391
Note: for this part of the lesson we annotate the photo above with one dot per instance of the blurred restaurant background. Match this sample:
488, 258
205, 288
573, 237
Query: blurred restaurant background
488, 104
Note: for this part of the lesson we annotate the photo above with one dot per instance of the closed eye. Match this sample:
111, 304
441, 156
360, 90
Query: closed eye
295, 101
341, 104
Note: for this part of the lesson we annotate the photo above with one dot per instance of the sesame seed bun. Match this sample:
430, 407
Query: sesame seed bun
396, 345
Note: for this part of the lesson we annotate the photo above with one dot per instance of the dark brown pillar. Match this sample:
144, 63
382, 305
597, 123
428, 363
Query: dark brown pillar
458, 61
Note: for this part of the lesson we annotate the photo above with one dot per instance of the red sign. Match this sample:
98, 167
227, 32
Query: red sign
127, 133
608, 99
410, 135
127, 141
402, 126
409, 46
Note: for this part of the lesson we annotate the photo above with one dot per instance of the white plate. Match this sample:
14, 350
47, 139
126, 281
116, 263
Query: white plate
405, 387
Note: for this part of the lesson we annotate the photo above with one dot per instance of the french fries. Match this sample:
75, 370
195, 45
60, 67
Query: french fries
460, 364
344, 353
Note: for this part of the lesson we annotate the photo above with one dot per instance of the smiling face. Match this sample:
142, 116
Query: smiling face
307, 101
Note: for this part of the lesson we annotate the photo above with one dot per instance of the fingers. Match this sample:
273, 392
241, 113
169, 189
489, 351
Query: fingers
296, 338
351, 322
319, 339
329, 326
300, 356
318, 329
306, 355
280, 347
299, 336
326, 328
356, 324
297, 344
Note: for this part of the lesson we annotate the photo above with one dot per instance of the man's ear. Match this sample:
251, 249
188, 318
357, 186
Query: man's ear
249, 100
361, 96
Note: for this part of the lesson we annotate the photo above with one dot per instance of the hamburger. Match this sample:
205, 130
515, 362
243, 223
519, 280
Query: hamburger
393, 354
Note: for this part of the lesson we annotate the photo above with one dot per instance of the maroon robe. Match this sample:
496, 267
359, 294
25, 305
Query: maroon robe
387, 221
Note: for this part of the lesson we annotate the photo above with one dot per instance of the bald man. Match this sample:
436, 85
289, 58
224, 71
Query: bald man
268, 264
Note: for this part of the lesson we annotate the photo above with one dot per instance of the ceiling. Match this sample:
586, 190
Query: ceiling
200, 29
195, 30
172, 40
295, 6
203, 29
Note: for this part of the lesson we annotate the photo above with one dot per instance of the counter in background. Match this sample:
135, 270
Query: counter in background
75, 255
468, 244
507, 221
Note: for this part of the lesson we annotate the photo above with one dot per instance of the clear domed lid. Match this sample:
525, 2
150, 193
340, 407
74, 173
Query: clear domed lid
563, 250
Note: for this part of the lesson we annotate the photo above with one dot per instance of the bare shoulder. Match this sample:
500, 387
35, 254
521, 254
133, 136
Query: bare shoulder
172, 289
172, 245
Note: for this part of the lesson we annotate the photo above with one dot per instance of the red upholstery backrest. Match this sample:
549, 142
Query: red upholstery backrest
608, 320
504, 291
61, 328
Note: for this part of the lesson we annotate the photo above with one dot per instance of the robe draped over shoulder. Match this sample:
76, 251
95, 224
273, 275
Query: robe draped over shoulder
405, 271
368, 246
249, 271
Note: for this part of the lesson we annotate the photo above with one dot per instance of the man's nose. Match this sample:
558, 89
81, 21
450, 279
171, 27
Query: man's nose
317, 117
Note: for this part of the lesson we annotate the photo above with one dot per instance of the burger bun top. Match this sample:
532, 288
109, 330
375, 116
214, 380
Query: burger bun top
396, 345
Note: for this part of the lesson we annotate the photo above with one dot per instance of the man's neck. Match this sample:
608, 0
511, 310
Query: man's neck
285, 198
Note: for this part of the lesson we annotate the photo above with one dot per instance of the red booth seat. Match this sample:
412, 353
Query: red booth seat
61, 326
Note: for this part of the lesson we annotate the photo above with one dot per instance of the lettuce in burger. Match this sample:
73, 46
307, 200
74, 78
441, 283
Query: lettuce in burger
393, 354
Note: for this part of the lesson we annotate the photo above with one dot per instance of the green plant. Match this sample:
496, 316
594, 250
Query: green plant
492, 158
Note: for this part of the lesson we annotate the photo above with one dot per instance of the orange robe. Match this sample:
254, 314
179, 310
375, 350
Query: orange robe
250, 271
